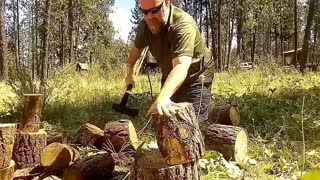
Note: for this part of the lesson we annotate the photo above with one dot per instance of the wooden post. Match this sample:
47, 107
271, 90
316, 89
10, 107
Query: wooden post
151, 165
31, 112
7, 132
28, 147
230, 141
7, 173
119, 133
179, 137
225, 114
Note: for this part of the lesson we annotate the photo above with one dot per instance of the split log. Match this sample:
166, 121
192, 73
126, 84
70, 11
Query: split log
98, 166
57, 156
7, 134
152, 166
225, 114
28, 173
179, 137
119, 133
31, 112
7, 173
90, 134
230, 141
28, 147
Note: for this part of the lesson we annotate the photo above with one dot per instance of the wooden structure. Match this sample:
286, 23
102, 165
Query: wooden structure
288, 56
28, 147
82, 67
31, 112
230, 141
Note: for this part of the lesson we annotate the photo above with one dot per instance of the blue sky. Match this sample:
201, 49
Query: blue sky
121, 17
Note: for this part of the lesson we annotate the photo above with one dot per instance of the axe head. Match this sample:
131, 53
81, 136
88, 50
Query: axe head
125, 110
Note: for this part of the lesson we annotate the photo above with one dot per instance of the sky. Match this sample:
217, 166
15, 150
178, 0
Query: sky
121, 17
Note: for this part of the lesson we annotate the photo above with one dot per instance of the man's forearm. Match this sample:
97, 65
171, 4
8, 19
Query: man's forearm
133, 59
176, 77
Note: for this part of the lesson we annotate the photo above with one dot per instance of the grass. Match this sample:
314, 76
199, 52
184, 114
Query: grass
269, 99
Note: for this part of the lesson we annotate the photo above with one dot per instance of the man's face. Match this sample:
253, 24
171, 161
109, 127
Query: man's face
155, 14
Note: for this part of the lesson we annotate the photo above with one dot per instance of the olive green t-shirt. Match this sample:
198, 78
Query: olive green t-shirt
180, 37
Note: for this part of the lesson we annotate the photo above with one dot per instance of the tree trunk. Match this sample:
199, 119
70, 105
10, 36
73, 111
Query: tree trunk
18, 34
225, 114
230, 141
239, 27
152, 166
306, 39
45, 48
90, 134
295, 58
231, 35
3, 43
219, 35
121, 134
99, 166
253, 50
71, 37
7, 132
57, 156
179, 137
7, 173
28, 147
32, 112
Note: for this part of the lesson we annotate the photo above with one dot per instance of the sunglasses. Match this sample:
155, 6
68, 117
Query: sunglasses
154, 10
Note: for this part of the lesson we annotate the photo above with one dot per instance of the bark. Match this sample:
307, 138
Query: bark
32, 112
89, 134
306, 39
8, 172
3, 44
152, 166
28, 147
71, 29
295, 58
230, 141
7, 132
121, 134
225, 114
179, 137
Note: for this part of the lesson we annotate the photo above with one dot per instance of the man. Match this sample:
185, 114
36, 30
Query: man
176, 43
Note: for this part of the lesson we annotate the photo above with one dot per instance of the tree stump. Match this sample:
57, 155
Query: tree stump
98, 166
225, 114
119, 133
7, 134
230, 141
57, 156
179, 137
152, 166
31, 112
7, 173
90, 134
28, 147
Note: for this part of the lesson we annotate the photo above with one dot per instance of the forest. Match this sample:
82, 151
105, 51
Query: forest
62, 55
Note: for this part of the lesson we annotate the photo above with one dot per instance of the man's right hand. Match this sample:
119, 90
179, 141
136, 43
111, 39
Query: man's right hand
130, 79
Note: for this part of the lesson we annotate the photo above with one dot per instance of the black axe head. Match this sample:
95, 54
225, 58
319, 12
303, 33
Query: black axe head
125, 110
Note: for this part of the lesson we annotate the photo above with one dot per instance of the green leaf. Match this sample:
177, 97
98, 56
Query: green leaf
312, 175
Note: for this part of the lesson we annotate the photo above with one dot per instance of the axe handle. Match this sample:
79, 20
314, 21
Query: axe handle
125, 97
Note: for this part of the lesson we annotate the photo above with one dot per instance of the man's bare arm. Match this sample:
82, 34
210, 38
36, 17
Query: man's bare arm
132, 61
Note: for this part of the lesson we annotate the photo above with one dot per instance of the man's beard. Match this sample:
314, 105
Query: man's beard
156, 27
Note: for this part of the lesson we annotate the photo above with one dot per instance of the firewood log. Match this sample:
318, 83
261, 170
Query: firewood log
230, 141
225, 114
179, 137
7, 134
90, 134
32, 112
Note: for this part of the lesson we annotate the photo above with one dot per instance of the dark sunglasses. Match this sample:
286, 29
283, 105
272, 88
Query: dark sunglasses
154, 10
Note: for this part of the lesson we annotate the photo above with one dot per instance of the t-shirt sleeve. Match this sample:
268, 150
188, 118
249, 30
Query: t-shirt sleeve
183, 40
139, 41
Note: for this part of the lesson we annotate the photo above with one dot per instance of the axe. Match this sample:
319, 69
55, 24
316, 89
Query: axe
122, 107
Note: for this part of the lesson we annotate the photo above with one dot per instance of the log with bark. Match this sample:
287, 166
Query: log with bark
57, 156
7, 173
31, 112
179, 137
152, 166
230, 141
98, 166
28, 147
90, 134
7, 135
28, 173
225, 114
120, 134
